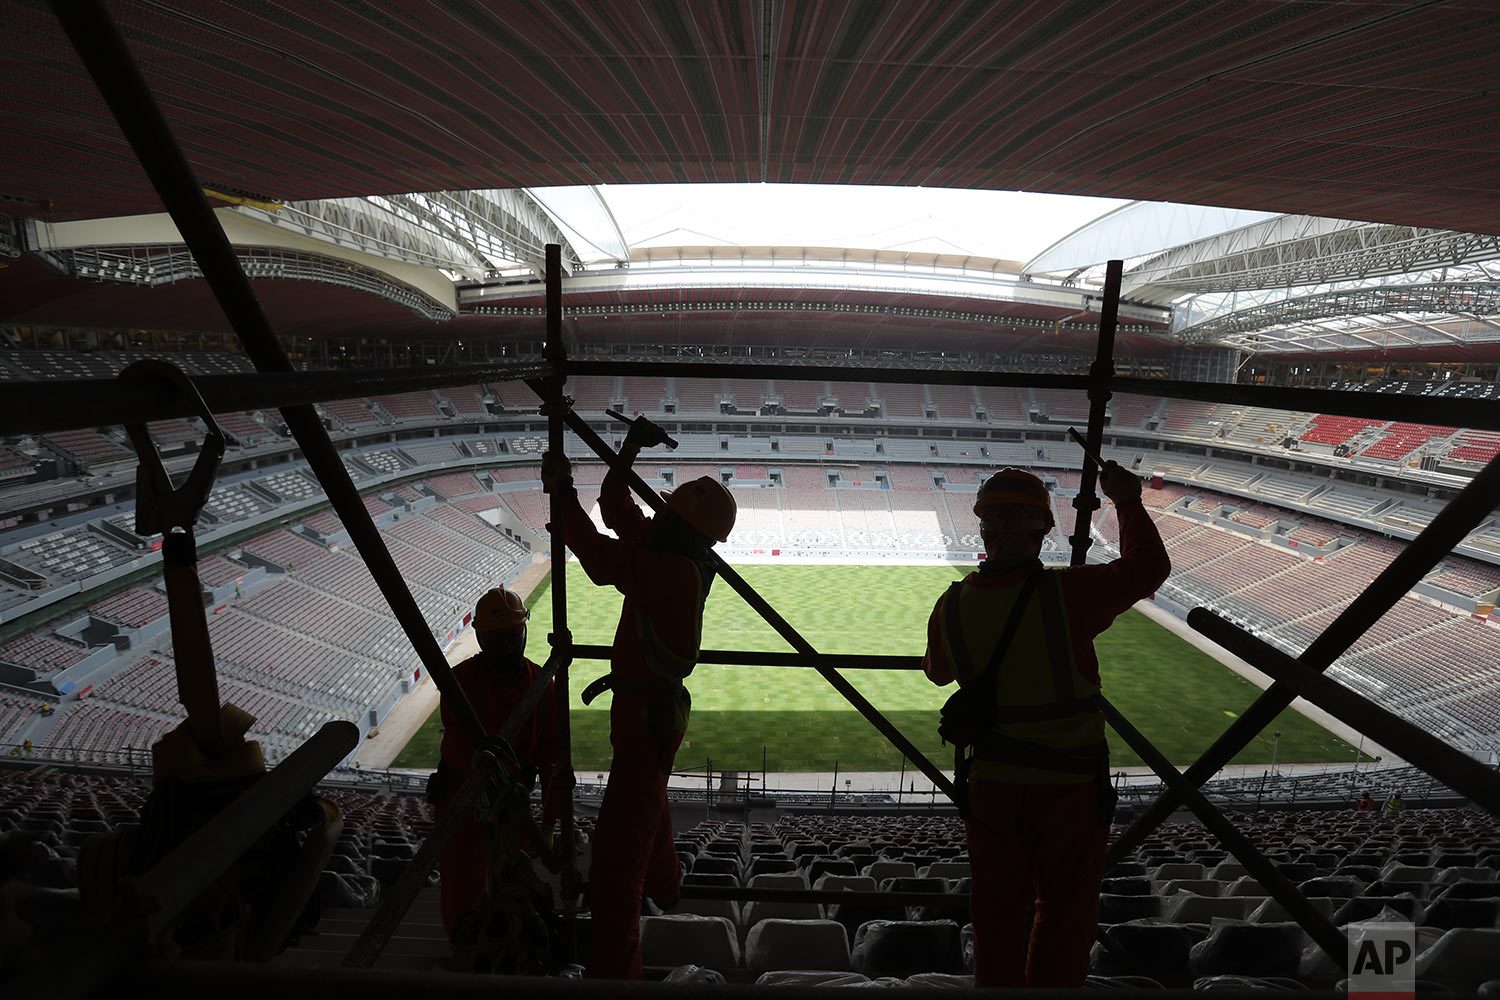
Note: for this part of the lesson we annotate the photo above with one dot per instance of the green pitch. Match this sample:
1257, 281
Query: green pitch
1179, 696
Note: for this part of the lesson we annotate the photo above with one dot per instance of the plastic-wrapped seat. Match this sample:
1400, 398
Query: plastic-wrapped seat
881, 870
1272, 912
1126, 886
1227, 871
1467, 890
770, 866
1118, 909
1244, 886
1465, 873
946, 869
823, 865
755, 911
1237, 948
1399, 874
1189, 909
1362, 908
1196, 886
777, 944
1177, 870
1461, 959
904, 948
710, 864
688, 939
1449, 914
807, 977
1340, 886
1153, 948
941, 981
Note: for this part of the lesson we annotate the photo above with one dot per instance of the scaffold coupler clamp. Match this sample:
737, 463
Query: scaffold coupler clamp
160, 507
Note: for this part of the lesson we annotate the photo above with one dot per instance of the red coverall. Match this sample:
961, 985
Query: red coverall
1043, 842
634, 852
463, 864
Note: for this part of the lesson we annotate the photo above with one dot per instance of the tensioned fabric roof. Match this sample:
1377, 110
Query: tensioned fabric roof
1363, 109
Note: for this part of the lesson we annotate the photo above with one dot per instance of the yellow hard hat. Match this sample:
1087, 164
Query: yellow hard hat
1013, 486
500, 610
707, 505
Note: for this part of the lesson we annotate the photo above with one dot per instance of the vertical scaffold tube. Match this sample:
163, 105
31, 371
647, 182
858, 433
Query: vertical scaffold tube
1102, 371
561, 638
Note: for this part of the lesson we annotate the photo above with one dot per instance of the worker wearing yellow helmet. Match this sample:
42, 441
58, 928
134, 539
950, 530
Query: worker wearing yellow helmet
493, 679
663, 566
1031, 762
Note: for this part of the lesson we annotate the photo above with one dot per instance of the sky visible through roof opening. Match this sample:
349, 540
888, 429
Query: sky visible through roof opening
1007, 225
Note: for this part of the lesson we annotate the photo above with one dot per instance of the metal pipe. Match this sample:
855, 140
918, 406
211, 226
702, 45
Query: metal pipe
1462, 514
561, 637
1472, 413
1317, 926
1457, 770
108, 60
394, 904
1100, 375
726, 572
65, 404
745, 658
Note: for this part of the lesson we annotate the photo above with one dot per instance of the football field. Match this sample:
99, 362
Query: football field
1177, 695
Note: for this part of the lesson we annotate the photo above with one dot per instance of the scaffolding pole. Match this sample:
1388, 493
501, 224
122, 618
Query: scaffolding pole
1101, 374
556, 406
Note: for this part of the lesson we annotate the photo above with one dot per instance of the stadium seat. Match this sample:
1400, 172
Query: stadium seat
825, 865
906, 948
1270, 911
1243, 886
811, 978
1186, 908
1126, 886
1333, 885
940, 981
755, 911
1467, 890
777, 944
1196, 886
1235, 948
882, 870
1227, 871
708, 864
1450, 914
770, 866
1361, 908
946, 869
1460, 959
1155, 949
677, 939
1177, 870
1118, 909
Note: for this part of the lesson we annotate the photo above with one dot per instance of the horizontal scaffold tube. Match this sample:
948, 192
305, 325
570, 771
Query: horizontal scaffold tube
68, 404
750, 658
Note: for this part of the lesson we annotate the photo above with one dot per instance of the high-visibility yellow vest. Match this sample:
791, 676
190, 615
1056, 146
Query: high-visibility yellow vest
1049, 727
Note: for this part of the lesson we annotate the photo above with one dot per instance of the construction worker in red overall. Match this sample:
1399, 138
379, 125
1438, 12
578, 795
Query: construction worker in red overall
494, 679
1019, 640
662, 566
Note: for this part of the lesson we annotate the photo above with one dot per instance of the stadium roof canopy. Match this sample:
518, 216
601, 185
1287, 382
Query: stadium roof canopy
1359, 110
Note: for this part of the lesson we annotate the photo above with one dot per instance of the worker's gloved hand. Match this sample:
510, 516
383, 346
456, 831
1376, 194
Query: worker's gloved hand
1120, 485
557, 472
645, 434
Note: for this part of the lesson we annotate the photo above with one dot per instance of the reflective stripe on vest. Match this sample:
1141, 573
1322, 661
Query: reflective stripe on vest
1049, 727
664, 661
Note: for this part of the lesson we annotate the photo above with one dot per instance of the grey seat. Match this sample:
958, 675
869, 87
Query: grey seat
903, 948
688, 939
777, 944
1235, 948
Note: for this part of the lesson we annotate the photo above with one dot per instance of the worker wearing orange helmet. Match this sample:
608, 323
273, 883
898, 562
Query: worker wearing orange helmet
664, 568
494, 680
1033, 764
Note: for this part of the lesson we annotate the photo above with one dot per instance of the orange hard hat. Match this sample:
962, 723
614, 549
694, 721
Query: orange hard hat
707, 505
500, 610
1013, 486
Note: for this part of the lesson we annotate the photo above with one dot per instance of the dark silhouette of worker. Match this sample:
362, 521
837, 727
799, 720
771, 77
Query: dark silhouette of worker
494, 680
663, 567
1035, 784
